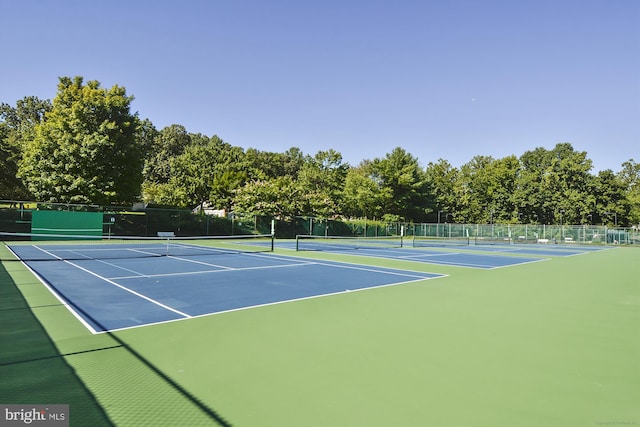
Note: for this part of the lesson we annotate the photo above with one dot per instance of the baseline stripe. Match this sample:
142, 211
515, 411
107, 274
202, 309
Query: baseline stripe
111, 282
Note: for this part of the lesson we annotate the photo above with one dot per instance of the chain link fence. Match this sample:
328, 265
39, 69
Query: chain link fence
16, 216
531, 233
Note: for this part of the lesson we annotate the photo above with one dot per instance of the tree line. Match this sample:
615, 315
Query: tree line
86, 146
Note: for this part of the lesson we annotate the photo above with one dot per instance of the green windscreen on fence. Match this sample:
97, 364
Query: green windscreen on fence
66, 223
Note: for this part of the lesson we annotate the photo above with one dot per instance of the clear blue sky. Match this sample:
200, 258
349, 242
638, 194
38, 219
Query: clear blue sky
441, 79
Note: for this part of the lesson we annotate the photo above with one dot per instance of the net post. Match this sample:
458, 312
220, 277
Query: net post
167, 235
401, 235
273, 234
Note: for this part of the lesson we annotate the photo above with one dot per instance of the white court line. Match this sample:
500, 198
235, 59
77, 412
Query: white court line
124, 288
415, 276
384, 270
279, 302
343, 264
158, 303
521, 263
62, 301
426, 261
152, 254
139, 274
200, 262
120, 267
457, 264
418, 258
499, 250
225, 270
381, 270
413, 258
428, 255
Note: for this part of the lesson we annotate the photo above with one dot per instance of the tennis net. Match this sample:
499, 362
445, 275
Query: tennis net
431, 241
57, 247
305, 242
480, 241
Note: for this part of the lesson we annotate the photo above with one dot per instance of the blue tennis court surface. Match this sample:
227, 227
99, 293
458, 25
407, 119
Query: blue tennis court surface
463, 259
554, 250
121, 286
460, 257
111, 294
445, 251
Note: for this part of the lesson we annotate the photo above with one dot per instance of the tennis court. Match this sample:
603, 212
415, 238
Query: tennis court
548, 343
393, 248
121, 285
555, 250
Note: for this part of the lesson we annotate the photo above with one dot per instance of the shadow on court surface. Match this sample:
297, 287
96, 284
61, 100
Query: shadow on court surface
31, 368
33, 371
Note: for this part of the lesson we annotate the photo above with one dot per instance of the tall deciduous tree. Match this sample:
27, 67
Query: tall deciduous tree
86, 151
28, 112
278, 197
630, 177
555, 185
230, 172
363, 195
203, 170
17, 125
7, 160
610, 195
445, 199
190, 177
267, 165
401, 173
10, 186
484, 189
167, 144
321, 180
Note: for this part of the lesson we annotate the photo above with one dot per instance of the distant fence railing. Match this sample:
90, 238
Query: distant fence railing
16, 216
528, 233
477, 233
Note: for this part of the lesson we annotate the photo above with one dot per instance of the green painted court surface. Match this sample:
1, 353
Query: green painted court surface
553, 343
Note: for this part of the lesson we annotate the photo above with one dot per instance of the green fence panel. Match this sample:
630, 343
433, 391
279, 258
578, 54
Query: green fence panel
73, 223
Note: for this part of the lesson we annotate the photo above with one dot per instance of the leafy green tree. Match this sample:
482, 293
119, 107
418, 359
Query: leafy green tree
402, 175
630, 178
277, 197
17, 125
86, 150
611, 198
529, 193
190, 177
504, 174
267, 165
484, 190
442, 177
28, 112
555, 185
10, 185
570, 180
167, 144
204, 170
363, 196
321, 181
230, 172
146, 136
